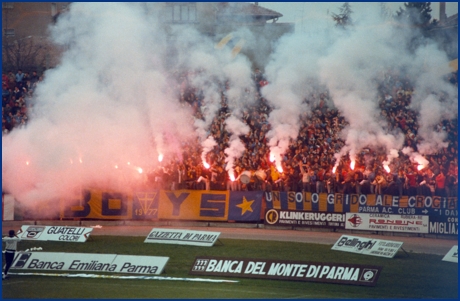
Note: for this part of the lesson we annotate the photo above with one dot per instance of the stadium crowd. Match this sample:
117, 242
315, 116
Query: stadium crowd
309, 162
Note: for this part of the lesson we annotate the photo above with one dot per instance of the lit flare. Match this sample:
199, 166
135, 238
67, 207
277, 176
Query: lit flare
387, 168
352, 165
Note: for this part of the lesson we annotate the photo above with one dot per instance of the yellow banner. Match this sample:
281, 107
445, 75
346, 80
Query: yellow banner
194, 205
98, 205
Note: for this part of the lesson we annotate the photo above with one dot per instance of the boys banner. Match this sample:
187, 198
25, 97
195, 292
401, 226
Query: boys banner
162, 204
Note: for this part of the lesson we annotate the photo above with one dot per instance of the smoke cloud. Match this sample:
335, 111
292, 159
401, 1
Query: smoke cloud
112, 106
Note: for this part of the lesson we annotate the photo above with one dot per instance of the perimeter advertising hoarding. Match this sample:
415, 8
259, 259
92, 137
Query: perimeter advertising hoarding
444, 224
54, 233
452, 255
387, 222
304, 219
182, 237
87, 262
287, 270
367, 246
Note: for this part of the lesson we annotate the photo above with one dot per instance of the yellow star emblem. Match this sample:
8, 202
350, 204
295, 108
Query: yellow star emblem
245, 205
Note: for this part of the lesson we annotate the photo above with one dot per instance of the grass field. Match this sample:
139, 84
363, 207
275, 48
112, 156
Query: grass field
417, 276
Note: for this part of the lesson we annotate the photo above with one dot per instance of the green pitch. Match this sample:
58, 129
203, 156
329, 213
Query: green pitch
417, 276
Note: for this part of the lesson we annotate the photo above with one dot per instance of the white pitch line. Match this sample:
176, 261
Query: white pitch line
125, 277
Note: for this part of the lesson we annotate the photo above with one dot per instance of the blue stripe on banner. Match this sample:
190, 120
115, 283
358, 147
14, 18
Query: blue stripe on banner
314, 202
268, 200
245, 206
347, 201
299, 197
284, 200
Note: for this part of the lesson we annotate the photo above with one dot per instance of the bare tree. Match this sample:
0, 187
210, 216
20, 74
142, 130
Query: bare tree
24, 53
344, 18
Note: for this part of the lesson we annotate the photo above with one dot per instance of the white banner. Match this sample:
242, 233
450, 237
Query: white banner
452, 255
182, 237
387, 222
55, 233
87, 262
367, 246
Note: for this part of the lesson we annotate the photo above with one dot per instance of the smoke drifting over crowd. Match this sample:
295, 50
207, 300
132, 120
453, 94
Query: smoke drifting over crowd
110, 110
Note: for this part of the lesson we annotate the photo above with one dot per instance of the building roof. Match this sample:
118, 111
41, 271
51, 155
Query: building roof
451, 21
246, 9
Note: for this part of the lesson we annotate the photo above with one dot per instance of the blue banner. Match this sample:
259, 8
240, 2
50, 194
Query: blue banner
245, 206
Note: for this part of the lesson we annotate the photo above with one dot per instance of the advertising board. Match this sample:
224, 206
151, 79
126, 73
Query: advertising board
54, 233
387, 222
88, 262
367, 246
182, 237
287, 270
452, 255
304, 218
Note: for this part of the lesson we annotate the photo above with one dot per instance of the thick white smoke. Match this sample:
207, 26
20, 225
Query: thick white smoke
350, 63
110, 111
111, 107
240, 93
104, 115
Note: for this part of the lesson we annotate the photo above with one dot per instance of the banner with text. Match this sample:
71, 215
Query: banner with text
96, 204
153, 205
182, 237
287, 270
86, 262
367, 246
387, 222
304, 219
370, 203
194, 205
55, 233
